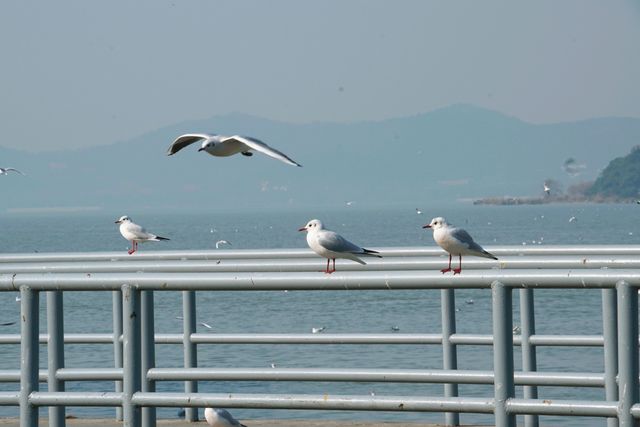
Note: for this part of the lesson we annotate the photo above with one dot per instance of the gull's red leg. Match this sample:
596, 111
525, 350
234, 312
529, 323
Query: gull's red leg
444, 270
334, 265
459, 269
327, 269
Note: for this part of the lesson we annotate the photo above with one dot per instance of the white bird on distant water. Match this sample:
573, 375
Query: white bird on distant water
317, 330
331, 245
223, 146
456, 241
418, 211
221, 418
5, 171
135, 233
222, 242
547, 189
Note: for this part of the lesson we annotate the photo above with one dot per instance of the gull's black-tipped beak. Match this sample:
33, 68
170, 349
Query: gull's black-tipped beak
302, 229
426, 226
201, 149
117, 222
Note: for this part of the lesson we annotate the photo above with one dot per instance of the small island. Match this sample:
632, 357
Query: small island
619, 182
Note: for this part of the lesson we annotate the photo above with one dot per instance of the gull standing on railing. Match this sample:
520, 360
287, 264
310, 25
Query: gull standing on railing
456, 241
331, 245
221, 418
223, 146
135, 233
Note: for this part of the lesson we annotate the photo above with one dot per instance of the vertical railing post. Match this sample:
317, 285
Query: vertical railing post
148, 354
29, 354
627, 352
55, 352
504, 388
190, 350
449, 351
529, 364
610, 335
117, 344
131, 353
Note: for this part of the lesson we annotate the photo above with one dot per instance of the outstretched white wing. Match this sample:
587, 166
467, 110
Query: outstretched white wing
13, 170
260, 146
184, 140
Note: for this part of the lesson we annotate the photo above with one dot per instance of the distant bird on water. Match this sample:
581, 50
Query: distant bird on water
221, 418
135, 233
224, 146
5, 171
456, 241
331, 245
547, 189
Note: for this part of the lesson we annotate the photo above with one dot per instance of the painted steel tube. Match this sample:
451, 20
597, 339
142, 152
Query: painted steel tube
586, 408
395, 280
322, 402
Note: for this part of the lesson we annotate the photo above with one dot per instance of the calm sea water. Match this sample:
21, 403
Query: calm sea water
557, 312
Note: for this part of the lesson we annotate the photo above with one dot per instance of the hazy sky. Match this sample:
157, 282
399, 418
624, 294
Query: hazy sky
81, 73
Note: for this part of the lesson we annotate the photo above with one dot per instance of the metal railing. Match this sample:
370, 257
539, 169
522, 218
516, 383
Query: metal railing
134, 279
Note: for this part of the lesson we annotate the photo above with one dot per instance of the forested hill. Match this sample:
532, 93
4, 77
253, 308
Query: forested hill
620, 179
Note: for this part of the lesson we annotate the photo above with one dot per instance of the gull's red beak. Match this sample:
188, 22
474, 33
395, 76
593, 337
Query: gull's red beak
302, 229
426, 226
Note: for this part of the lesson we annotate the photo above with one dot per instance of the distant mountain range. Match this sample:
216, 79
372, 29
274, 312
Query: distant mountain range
460, 152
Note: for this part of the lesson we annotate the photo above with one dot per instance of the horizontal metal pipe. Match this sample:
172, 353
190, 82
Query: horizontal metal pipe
370, 375
73, 338
573, 379
538, 250
13, 376
474, 279
586, 408
316, 339
567, 340
314, 264
9, 398
322, 402
89, 374
75, 398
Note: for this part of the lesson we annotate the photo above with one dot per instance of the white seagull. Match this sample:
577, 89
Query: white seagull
223, 146
331, 245
222, 242
547, 189
5, 171
221, 418
456, 241
135, 233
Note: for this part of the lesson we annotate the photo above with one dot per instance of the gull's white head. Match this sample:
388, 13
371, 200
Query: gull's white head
314, 224
437, 223
122, 219
205, 145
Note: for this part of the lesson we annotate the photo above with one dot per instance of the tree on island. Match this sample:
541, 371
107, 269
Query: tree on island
620, 179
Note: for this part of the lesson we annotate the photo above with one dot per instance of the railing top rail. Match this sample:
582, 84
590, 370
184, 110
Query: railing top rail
361, 280
306, 253
575, 261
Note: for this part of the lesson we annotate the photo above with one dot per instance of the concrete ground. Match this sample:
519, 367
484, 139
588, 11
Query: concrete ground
77, 422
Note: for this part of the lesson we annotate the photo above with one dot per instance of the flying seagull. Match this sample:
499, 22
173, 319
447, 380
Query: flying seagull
5, 171
135, 233
221, 418
331, 245
223, 146
456, 241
